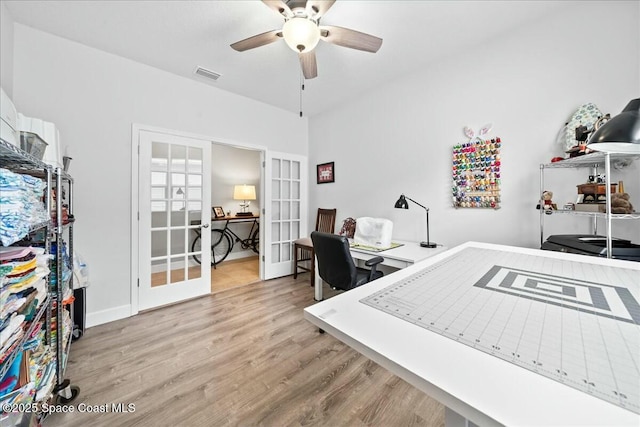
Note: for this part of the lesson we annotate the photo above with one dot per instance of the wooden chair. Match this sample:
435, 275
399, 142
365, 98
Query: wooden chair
303, 255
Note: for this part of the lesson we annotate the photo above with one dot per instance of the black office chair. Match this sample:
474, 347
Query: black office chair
336, 266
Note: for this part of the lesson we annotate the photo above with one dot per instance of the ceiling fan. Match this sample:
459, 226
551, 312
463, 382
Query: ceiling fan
302, 31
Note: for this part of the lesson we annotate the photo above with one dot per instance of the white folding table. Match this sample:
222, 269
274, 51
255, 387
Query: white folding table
483, 293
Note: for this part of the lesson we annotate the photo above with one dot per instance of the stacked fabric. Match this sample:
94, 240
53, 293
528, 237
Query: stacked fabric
66, 270
21, 205
10, 394
43, 372
23, 289
67, 326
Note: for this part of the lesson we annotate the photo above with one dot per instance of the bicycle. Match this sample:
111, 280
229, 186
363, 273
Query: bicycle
223, 240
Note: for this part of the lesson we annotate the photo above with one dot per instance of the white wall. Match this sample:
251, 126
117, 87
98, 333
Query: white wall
399, 138
6, 50
94, 97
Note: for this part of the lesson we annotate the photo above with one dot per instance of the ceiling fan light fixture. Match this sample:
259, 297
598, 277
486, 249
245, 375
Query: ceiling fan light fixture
301, 34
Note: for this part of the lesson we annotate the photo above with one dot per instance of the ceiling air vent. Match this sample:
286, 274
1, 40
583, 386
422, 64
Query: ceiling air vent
211, 75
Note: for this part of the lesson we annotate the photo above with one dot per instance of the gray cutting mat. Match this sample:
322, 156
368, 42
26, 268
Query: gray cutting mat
573, 322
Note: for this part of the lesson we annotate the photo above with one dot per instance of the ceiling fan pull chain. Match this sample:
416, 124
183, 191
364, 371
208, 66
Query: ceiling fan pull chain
301, 89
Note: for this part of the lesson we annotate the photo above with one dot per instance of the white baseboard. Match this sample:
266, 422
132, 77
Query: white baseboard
241, 254
109, 315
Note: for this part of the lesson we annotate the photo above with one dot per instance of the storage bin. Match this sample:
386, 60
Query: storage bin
32, 144
47, 132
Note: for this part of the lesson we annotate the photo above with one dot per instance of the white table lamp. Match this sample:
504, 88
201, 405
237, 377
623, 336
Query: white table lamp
246, 193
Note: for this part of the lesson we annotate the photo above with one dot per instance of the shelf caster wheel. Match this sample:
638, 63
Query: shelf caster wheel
75, 391
77, 334
66, 392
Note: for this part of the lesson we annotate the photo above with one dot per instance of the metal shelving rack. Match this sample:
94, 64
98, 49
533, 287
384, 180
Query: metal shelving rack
65, 391
19, 161
593, 161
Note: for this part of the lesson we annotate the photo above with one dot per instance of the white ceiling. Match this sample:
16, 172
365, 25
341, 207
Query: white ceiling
177, 36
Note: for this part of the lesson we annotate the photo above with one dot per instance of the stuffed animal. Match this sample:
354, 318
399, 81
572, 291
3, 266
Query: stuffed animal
348, 228
547, 202
620, 203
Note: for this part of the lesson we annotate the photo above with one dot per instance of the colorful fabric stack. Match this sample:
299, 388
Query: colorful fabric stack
21, 205
66, 270
23, 289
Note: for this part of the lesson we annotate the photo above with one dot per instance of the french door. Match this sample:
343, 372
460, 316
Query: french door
285, 210
174, 206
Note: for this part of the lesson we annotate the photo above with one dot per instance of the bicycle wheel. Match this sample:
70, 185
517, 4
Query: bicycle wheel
195, 247
255, 241
221, 245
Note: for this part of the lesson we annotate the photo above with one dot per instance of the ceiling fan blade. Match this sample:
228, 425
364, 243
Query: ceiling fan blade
258, 40
309, 65
350, 38
317, 8
279, 7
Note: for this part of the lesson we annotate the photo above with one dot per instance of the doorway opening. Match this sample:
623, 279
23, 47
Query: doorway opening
233, 171
173, 202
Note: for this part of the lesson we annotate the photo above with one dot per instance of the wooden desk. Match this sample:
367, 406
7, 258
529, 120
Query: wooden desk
484, 388
229, 218
236, 218
401, 257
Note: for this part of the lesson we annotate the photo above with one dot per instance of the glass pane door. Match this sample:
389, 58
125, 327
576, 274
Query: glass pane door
285, 210
173, 212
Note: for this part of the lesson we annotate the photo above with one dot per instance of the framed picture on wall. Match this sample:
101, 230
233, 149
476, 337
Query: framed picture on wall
218, 211
325, 173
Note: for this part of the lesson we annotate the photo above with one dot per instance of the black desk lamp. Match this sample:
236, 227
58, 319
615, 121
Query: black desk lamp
621, 134
403, 204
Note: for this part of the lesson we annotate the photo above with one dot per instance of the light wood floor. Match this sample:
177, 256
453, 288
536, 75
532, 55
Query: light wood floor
240, 357
228, 274
232, 273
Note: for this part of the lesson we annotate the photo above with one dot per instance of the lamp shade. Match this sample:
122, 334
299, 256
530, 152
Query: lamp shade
621, 134
244, 192
301, 34
402, 203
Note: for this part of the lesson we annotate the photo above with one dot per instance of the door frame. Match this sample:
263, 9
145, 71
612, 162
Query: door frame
136, 128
